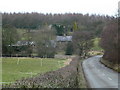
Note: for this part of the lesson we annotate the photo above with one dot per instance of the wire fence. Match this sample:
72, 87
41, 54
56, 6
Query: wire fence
21, 55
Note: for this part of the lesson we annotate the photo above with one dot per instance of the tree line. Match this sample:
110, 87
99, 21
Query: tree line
70, 21
110, 39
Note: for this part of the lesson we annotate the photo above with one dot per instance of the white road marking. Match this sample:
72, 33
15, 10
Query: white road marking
105, 68
109, 78
98, 70
103, 74
102, 65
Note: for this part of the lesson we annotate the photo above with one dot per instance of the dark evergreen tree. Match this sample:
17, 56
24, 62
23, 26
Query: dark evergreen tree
69, 49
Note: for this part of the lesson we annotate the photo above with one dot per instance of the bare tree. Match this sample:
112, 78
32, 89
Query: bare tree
82, 42
45, 44
109, 41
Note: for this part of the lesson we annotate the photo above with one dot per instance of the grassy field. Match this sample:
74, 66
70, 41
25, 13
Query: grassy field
16, 68
96, 49
23, 35
96, 46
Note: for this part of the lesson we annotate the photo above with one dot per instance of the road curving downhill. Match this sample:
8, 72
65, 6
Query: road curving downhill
99, 76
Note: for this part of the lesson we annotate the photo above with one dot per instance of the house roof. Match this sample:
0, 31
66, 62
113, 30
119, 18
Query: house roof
23, 43
64, 38
58, 39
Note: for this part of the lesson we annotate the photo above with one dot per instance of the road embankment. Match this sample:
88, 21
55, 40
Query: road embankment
108, 64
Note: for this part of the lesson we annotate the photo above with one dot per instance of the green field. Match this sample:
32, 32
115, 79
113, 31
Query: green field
96, 46
16, 68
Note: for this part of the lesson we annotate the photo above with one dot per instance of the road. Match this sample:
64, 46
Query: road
99, 76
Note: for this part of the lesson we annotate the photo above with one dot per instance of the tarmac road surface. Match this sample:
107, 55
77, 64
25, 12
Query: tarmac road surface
99, 76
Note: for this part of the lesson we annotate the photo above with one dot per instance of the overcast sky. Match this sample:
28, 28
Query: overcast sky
106, 7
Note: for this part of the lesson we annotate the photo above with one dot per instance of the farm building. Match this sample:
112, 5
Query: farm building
61, 42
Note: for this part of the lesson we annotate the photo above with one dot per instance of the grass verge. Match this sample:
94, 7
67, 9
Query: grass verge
81, 78
115, 67
96, 46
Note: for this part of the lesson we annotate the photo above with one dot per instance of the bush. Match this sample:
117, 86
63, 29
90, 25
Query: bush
69, 49
48, 52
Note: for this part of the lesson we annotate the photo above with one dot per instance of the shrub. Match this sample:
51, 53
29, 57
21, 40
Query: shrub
69, 49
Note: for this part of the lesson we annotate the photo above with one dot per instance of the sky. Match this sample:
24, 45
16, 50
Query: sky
102, 7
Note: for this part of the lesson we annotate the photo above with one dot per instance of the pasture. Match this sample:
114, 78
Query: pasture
96, 46
16, 68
